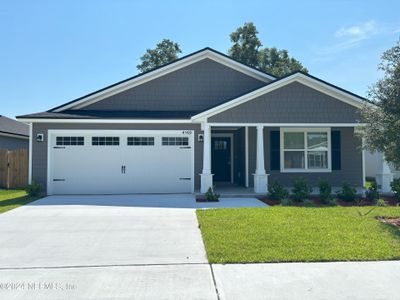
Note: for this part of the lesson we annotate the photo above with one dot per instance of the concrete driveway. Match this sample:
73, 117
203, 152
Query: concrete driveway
107, 247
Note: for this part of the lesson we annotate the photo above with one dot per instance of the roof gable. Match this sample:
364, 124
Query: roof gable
183, 62
305, 79
10, 126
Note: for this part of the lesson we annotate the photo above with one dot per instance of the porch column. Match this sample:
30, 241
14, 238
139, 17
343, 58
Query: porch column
260, 177
384, 176
206, 176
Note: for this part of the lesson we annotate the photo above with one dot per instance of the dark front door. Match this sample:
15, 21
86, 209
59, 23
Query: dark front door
221, 158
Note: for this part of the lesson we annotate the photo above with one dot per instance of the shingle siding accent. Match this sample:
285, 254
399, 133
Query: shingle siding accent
294, 103
39, 149
194, 88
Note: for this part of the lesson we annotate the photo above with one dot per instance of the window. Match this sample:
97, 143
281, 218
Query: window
305, 150
105, 140
140, 141
69, 141
220, 145
175, 141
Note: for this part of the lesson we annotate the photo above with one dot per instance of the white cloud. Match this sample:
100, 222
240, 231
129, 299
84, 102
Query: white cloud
360, 32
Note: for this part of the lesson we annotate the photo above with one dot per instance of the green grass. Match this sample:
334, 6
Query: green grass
286, 234
10, 199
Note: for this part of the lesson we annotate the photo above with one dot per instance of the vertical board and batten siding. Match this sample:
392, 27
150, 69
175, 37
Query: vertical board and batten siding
196, 87
39, 149
294, 103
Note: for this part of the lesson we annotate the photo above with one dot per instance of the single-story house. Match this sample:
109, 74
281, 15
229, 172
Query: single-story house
13, 134
200, 121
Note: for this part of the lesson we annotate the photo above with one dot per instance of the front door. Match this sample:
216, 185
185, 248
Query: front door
221, 158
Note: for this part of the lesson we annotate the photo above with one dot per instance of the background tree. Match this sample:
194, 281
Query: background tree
164, 52
382, 132
247, 49
245, 44
278, 62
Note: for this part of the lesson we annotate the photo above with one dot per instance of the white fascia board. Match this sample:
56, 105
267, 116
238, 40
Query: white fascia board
107, 121
17, 136
310, 82
164, 71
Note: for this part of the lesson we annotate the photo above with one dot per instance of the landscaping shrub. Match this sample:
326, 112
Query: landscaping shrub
286, 202
332, 202
381, 202
325, 191
211, 196
33, 189
309, 203
372, 193
395, 185
347, 193
276, 191
301, 189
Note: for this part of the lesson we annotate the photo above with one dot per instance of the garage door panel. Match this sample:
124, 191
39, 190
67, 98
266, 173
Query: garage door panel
123, 168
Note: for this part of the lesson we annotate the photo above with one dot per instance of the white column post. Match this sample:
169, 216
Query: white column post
260, 177
384, 176
206, 176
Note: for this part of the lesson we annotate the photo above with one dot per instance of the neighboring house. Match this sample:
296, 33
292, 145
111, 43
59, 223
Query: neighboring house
13, 134
197, 122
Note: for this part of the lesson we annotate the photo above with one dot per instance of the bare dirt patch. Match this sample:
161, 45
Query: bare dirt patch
395, 221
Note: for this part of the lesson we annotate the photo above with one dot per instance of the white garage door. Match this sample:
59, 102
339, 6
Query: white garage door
120, 162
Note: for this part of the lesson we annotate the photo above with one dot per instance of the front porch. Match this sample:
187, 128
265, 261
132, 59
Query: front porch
226, 164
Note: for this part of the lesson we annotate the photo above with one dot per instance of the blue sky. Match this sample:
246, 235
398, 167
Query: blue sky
54, 51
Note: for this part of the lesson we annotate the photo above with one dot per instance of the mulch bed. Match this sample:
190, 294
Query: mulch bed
390, 201
395, 221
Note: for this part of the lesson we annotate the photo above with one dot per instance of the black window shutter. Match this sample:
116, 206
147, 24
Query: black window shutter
336, 155
275, 151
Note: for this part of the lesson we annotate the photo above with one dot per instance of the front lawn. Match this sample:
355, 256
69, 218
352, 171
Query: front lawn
10, 199
285, 234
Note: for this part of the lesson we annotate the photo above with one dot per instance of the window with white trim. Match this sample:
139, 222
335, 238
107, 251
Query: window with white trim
305, 150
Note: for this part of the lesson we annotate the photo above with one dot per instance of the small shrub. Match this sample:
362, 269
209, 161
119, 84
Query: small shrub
325, 191
381, 202
308, 203
347, 193
372, 193
332, 202
211, 195
286, 202
276, 191
395, 185
301, 189
33, 189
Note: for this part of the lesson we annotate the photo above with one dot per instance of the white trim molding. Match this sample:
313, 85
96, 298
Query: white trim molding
30, 153
297, 77
305, 150
179, 64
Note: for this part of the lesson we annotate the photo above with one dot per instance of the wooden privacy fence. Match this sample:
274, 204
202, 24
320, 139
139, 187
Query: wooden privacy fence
13, 168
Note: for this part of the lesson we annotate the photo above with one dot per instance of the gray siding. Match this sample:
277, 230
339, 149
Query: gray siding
11, 143
193, 88
39, 149
294, 103
351, 156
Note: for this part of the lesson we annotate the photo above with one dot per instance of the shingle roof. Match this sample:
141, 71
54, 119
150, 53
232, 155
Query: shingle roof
97, 114
11, 126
